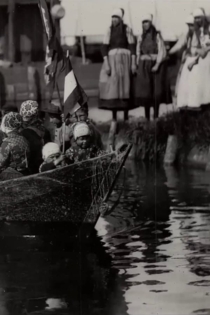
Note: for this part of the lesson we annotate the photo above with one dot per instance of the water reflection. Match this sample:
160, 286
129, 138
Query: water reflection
150, 256
164, 253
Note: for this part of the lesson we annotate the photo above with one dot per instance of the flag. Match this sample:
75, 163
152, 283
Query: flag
74, 95
54, 53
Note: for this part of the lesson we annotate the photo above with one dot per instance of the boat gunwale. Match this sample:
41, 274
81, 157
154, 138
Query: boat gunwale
114, 153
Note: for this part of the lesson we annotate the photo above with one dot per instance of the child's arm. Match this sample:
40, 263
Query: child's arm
70, 155
48, 166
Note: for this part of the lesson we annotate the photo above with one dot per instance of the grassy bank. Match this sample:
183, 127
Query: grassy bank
150, 139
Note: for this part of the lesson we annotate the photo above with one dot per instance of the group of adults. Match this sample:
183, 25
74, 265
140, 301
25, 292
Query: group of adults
135, 73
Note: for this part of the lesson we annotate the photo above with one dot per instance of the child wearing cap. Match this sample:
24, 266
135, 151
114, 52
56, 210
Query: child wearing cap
83, 147
52, 157
80, 114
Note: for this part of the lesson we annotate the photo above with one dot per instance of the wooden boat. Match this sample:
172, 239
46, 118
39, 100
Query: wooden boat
73, 193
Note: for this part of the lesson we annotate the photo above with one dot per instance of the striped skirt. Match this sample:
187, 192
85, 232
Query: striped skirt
115, 90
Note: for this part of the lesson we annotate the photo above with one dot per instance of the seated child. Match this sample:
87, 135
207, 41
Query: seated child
52, 157
83, 148
81, 115
56, 128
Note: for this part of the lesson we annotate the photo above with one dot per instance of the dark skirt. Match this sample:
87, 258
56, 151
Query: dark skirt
151, 88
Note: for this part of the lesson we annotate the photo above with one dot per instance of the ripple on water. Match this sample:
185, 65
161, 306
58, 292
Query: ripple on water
201, 283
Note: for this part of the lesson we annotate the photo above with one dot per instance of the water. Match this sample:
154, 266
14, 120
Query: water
150, 256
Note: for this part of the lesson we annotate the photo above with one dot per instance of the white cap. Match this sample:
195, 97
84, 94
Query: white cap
81, 130
118, 13
57, 11
49, 149
198, 12
190, 19
147, 17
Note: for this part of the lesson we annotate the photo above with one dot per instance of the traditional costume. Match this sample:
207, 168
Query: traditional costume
151, 88
192, 87
183, 44
119, 54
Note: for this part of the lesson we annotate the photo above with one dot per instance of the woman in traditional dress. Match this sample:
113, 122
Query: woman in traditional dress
119, 61
183, 45
193, 86
152, 85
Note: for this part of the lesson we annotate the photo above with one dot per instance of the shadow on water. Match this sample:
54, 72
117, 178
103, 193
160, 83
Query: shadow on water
43, 270
151, 255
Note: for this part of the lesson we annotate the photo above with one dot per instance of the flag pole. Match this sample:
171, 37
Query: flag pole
64, 124
82, 45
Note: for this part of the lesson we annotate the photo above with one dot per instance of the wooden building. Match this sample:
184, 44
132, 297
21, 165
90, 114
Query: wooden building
22, 36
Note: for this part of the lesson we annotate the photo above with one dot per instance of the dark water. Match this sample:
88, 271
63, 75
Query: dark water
150, 256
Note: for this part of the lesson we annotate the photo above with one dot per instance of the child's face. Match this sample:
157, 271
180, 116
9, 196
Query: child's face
55, 120
83, 142
80, 115
53, 157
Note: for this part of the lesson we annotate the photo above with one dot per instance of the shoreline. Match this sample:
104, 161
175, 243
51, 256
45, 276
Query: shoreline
174, 139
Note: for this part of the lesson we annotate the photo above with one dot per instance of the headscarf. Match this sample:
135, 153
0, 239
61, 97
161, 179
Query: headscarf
147, 17
190, 19
29, 110
81, 130
49, 149
199, 12
10, 122
118, 13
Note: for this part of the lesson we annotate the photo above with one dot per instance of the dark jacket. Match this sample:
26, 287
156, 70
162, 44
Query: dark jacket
36, 138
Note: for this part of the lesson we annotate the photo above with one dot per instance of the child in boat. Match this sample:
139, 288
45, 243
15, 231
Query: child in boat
15, 150
83, 147
80, 114
57, 128
52, 156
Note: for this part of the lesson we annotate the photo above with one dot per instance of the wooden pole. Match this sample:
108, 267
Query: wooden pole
11, 44
79, 22
112, 135
83, 50
63, 123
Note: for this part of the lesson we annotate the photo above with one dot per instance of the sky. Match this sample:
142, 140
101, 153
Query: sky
92, 17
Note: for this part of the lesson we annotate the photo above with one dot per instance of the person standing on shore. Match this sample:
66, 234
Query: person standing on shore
193, 90
151, 85
119, 63
183, 44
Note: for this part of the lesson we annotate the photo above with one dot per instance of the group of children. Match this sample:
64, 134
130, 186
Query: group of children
80, 150
29, 147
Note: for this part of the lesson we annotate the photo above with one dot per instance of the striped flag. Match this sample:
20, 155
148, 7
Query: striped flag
54, 53
74, 95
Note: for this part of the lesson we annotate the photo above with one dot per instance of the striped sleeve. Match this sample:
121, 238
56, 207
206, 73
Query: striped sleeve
131, 40
106, 41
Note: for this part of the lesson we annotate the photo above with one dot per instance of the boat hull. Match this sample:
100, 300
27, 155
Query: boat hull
73, 193
64, 194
